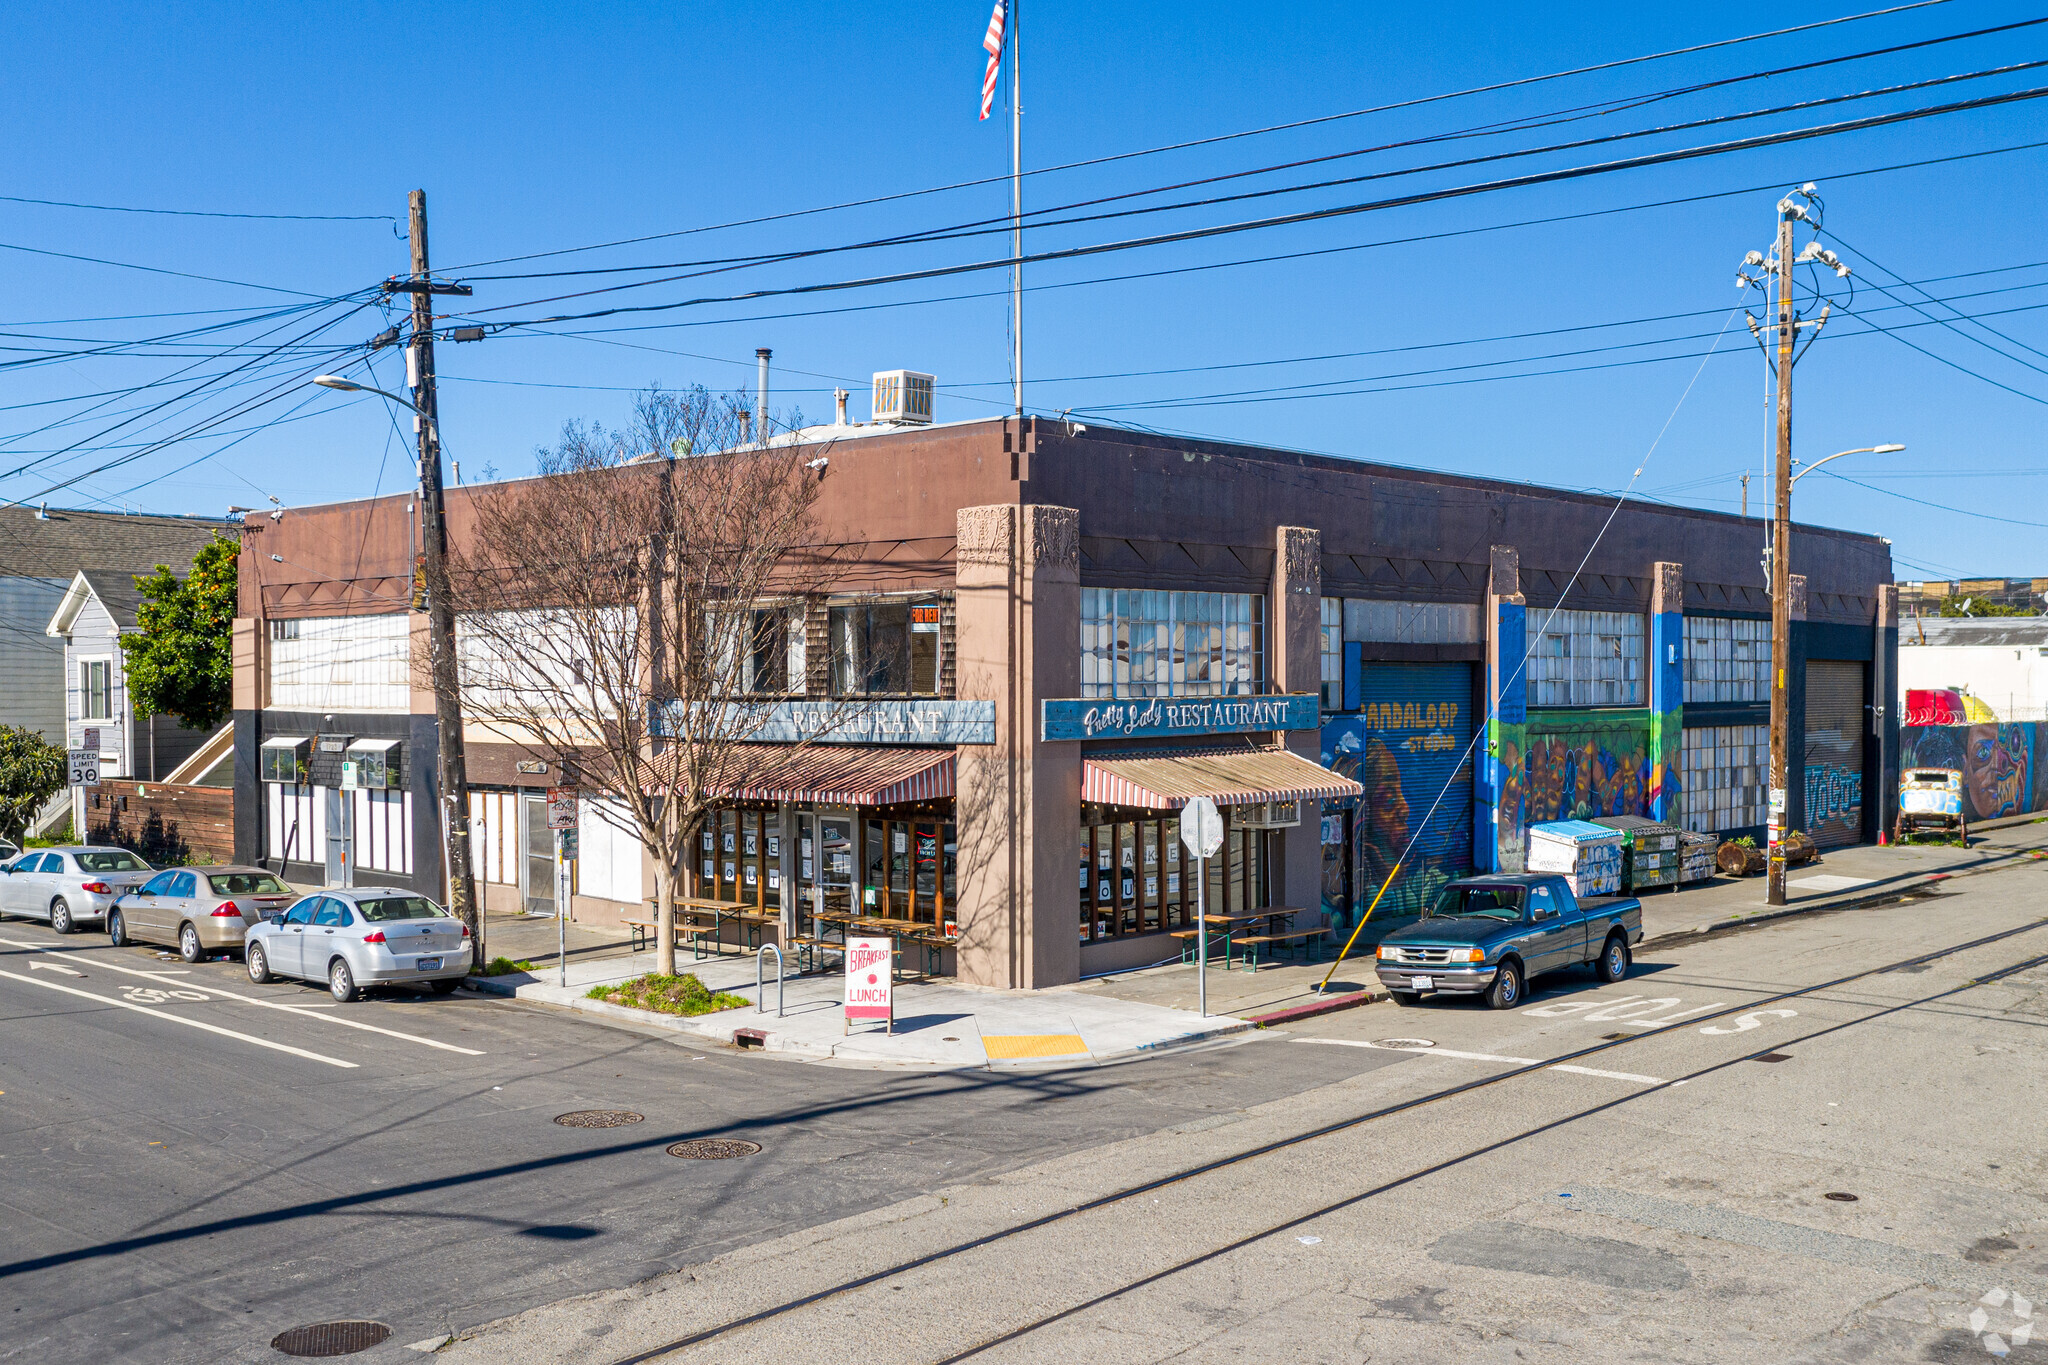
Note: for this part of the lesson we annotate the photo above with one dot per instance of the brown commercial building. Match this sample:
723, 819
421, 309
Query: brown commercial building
1063, 633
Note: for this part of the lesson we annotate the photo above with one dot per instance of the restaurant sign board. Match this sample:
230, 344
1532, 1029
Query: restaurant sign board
870, 974
848, 722
1159, 717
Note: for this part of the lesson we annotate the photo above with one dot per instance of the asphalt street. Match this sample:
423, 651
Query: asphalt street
1853, 1173
190, 1164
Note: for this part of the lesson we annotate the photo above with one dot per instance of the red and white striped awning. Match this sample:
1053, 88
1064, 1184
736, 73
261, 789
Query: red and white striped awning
1229, 777
837, 774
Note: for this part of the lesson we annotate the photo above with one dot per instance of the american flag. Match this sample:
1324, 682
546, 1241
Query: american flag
992, 42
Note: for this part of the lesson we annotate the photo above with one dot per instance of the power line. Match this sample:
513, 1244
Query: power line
1905, 283
1937, 506
1224, 137
1781, 138
206, 213
152, 269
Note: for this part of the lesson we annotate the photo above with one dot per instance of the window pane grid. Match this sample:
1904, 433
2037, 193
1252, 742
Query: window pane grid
1587, 658
1726, 776
1727, 659
1143, 643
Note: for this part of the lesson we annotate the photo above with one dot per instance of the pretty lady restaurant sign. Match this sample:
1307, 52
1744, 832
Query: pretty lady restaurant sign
1157, 717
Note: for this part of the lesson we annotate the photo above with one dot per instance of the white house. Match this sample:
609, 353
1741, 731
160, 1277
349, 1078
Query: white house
97, 609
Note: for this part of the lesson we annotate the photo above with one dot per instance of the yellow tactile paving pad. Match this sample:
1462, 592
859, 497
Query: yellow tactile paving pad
1009, 1045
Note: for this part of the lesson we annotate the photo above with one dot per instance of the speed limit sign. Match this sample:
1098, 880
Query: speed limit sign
85, 768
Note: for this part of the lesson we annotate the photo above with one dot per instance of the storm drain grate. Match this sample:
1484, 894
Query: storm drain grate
331, 1338
713, 1149
1772, 1057
598, 1118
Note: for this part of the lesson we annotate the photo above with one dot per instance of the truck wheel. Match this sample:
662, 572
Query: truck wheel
1506, 991
1614, 960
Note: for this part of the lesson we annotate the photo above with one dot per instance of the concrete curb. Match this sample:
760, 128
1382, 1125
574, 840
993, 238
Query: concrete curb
1350, 1000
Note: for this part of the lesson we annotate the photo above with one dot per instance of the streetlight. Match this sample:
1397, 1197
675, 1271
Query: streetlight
1860, 450
336, 382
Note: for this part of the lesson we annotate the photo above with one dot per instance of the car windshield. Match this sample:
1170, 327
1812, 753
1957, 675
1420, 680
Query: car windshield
110, 860
1478, 902
1937, 777
247, 884
399, 907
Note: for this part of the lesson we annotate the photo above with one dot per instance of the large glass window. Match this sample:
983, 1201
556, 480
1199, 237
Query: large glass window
1137, 878
1137, 643
1727, 659
760, 650
888, 647
94, 699
1586, 658
1333, 653
1726, 777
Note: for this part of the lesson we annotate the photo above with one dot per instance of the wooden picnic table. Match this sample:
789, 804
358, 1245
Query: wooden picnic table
1274, 916
739, 912
926, 936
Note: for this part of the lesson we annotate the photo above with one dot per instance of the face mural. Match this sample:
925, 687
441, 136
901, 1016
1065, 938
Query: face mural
2001, 764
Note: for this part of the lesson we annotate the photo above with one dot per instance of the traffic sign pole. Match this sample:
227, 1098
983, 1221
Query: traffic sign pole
1201, 830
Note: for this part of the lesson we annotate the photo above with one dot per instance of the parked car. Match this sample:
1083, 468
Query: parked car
1489, 936
361, 937
198, 910
68, 886
1931, 798
9, 850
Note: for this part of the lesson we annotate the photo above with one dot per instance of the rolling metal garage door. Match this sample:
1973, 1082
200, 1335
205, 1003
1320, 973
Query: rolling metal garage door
1834, 753
1414, 739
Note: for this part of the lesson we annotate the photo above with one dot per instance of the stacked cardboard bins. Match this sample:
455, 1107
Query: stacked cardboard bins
1590, 856
1649, 852
1696, 856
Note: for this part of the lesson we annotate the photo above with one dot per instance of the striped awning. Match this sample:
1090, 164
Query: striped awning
1229, 777
837, 774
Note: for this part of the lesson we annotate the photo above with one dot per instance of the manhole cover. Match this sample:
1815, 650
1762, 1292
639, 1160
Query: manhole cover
1406, 1044
1839, 1197
713, 1149
331, 1338
598, 1118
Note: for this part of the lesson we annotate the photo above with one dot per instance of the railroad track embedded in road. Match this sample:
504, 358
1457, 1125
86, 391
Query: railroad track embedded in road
1345, 1125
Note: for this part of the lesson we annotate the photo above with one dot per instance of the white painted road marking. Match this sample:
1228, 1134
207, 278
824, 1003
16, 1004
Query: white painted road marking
1745, 1022
303, 1011
179, 1019
52, 967
1493, 1057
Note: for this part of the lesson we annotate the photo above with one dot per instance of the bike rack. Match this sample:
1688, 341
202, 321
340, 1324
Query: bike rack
760, 995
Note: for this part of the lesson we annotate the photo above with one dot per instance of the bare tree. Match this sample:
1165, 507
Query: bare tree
613, 608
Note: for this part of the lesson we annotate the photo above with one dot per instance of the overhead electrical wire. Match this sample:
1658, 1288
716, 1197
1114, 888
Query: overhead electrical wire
1867, 259
1937, 506
1558, 175
207, 213
1416, 102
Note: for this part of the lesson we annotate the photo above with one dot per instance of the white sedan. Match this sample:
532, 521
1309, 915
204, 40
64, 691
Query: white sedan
361, 937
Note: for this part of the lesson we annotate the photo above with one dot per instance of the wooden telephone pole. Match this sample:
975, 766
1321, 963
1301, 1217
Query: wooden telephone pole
433, 570
1781, 563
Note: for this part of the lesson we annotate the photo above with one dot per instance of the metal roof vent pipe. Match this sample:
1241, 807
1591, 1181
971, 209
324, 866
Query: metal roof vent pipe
839, 397
761, 354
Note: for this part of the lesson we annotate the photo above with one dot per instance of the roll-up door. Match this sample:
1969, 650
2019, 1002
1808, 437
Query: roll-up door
1835, 722
1413, 751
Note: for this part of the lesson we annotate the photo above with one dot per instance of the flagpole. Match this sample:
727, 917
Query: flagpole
1017, 212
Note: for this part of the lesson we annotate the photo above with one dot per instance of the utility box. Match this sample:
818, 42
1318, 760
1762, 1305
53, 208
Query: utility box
903, 396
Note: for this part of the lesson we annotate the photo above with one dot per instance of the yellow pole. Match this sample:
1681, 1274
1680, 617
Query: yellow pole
1361, 923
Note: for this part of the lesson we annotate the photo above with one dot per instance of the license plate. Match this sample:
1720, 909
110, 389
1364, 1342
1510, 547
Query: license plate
1424, 983
428, 964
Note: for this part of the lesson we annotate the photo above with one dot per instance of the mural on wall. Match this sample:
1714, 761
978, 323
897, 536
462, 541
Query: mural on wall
2000, 764
1507, 738
1582, 766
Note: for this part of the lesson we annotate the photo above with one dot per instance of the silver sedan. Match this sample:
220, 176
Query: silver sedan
361, 937
68, 886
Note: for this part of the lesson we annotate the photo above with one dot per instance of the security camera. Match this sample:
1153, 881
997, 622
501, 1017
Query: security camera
819, 463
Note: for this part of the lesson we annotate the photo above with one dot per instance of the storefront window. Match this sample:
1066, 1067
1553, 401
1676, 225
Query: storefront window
1136, 878
1171, 644
1333, 653
886, 648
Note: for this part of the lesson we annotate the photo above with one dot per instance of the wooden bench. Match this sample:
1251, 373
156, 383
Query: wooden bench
686, 927
1310, 939
812, 949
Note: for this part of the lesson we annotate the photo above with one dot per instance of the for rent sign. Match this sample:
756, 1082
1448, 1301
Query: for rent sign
870, 974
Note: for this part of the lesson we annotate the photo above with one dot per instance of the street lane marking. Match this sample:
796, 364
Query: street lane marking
52, 967
303, 1011
1493, 1057
178, 1019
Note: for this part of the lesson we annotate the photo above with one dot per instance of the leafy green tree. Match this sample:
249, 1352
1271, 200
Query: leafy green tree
1978, 606
31, 771
182, 662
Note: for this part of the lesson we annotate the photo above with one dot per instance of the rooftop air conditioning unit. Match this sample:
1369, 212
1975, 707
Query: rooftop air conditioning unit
903, 396
1267, 815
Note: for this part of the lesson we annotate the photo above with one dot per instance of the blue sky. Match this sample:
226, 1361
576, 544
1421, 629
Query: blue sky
536, 128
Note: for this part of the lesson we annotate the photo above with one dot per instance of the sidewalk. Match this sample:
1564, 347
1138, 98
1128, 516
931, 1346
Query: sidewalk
1838, 880
1136, 1013
938, 1024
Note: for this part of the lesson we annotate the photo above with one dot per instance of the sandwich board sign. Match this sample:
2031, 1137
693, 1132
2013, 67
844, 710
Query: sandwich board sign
870, 976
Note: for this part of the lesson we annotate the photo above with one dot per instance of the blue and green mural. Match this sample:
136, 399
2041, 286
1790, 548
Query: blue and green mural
1585, 764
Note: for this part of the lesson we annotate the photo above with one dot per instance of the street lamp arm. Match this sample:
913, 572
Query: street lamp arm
1860, 450
333, 381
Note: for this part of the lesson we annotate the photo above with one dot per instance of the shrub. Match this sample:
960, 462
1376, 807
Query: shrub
684, 995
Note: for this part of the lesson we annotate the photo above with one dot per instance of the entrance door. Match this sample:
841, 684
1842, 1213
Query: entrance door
825, 858
1834, 753
341, 826
537, 860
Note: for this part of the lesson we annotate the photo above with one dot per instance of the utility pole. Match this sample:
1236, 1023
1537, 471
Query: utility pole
440, 609
1781, 563
1745, 494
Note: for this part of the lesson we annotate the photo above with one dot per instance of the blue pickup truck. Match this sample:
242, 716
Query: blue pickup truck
1488, 936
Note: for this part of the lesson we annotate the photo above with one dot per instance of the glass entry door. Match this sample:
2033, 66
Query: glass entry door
537, 861
825, 861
